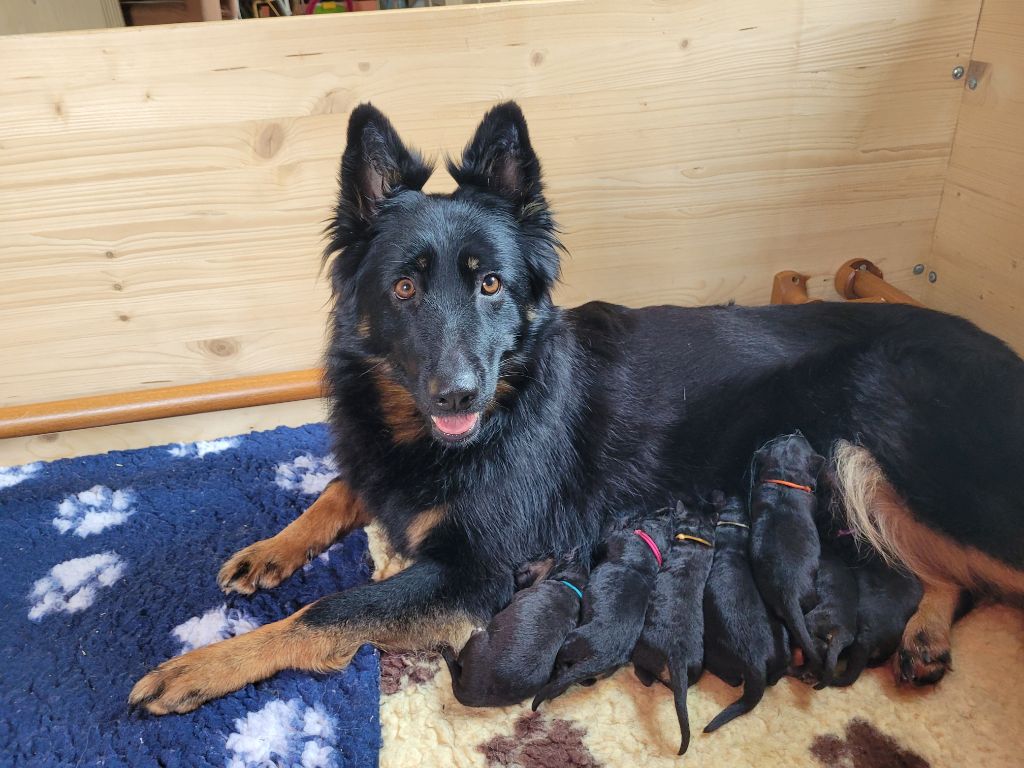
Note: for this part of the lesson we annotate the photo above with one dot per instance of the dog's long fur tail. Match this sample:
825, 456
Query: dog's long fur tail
860, 488
754, 684
877, 515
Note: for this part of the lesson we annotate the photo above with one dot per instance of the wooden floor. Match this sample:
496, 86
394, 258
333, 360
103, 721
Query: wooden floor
182, 429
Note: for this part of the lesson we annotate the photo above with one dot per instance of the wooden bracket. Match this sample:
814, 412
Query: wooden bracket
861, 280
790, 287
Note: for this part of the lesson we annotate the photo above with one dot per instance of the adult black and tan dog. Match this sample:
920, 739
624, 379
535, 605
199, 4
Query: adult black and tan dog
484, 427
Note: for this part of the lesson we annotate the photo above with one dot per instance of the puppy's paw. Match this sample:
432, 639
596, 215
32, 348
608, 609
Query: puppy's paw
179, 685
923, 658
263, 565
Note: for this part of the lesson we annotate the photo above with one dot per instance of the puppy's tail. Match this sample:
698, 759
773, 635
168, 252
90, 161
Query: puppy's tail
569, 675
828, 673
856, 661
754, 685
793, 618
680, 683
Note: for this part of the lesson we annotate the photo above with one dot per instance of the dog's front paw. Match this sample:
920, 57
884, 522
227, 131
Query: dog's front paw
263, 565
923, 658
179, 685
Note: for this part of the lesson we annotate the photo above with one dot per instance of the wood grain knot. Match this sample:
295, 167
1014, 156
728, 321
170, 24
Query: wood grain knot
270, 141
219, 347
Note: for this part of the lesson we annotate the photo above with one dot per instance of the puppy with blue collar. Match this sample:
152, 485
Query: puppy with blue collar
512, 658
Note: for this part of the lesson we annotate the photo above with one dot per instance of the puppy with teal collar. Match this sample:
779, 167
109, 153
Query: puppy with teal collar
512, 658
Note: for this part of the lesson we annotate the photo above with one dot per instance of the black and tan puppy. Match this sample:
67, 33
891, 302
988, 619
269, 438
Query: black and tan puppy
833, 621
614, 605
743, 642
784, 543
887, 598
673, 630
511, 659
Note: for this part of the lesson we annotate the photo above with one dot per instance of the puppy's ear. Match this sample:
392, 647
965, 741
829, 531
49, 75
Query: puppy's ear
375, 165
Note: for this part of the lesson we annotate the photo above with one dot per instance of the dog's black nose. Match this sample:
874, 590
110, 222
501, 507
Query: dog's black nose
456, 400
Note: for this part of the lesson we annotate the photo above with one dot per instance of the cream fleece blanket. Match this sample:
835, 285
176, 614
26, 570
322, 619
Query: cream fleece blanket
974, 717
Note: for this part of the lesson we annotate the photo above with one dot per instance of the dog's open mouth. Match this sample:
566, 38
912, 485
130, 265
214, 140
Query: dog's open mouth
457, 427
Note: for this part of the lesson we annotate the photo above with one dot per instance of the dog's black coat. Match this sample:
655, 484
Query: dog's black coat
673, 630
603, 406
614, 604
784, 544
832, 622
743, 642
512, 658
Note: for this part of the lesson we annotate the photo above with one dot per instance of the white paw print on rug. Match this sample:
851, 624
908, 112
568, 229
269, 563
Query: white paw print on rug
94, 510
11, 476
201, 448
216, 624
283, 733
308, 474
73, 585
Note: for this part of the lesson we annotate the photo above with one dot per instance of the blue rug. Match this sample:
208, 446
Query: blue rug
109, 567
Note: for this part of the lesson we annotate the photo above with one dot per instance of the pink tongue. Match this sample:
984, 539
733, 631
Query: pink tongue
459, 424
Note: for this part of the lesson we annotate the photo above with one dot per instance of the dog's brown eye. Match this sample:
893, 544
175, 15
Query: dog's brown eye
405, 289
490, 285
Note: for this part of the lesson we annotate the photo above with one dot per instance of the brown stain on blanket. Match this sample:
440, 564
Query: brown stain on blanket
864, 747
539, 742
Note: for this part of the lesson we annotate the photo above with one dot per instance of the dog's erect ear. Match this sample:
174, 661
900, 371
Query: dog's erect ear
375, 165
501, 160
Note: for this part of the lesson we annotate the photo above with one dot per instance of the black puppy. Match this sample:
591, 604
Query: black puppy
784, 544
887, 599
614, 605
673, 630
833, 621
743, 641
512, 658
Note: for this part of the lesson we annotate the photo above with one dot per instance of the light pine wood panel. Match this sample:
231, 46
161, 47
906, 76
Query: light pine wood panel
979, 237
163, 190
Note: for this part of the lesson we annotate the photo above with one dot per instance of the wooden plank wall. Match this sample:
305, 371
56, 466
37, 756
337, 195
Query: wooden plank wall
163, 190
978, 253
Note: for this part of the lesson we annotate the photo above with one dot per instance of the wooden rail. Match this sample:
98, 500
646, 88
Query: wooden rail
140, 405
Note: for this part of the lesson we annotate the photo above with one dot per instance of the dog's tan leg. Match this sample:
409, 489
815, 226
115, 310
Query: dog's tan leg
267, 563
406, 612
924, 654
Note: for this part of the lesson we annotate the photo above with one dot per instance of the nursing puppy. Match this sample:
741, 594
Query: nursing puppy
743, 641
833, 621
784, 543
512, 658
887, 599
673, 629
614, 605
